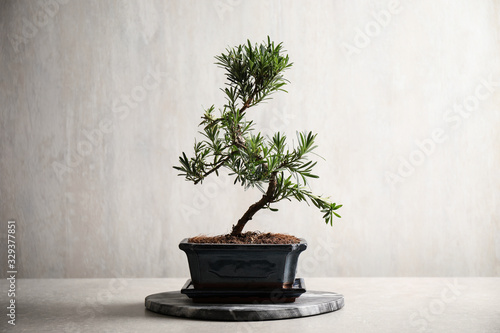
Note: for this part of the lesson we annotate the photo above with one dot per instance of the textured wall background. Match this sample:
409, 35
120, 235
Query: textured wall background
98, 99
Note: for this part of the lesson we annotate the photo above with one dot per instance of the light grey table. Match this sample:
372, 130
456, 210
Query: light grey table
371, 305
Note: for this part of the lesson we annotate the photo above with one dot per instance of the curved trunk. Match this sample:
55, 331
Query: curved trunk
266, 198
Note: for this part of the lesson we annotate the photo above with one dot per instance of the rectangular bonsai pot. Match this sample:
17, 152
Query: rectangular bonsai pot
242, 266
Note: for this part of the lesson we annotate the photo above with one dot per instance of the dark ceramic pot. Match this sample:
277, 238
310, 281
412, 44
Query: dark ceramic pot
242, 266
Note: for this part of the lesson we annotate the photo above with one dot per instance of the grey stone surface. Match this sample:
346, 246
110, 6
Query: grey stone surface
173, 303
374, 305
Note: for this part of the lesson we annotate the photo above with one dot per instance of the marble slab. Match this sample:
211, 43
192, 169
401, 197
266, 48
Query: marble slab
311, 303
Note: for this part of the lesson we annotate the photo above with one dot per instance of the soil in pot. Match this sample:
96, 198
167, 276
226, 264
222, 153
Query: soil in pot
247, 238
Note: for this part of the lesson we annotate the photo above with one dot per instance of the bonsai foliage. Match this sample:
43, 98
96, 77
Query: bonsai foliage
254, 73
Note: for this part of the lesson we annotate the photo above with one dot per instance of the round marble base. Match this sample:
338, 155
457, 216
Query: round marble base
311, 303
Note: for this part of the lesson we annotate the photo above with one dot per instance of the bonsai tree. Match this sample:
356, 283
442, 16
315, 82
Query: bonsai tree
254, 73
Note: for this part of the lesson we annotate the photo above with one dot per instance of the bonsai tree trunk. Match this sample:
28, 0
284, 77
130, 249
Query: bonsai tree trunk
266, 199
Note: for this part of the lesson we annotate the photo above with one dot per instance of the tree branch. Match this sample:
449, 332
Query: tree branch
266, 199
221, 162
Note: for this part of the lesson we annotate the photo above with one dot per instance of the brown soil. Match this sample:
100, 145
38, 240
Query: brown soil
247, 238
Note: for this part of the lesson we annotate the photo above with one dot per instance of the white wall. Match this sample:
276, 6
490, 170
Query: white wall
136, 74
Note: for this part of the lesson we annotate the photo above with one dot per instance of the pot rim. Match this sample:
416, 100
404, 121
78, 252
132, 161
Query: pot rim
186, 244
